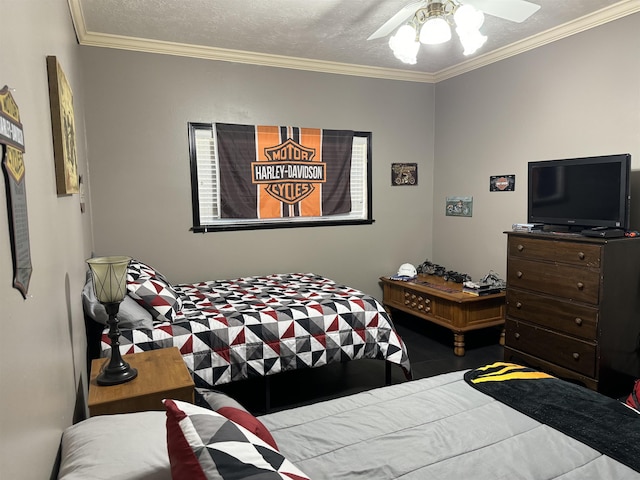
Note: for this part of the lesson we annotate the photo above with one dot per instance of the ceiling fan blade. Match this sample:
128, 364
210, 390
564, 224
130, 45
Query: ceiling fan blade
515, 10
398, 19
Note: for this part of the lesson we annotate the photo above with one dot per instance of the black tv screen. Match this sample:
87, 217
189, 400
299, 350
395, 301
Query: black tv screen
580, 192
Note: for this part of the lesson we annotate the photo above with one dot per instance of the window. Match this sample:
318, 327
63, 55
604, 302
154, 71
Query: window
212, 199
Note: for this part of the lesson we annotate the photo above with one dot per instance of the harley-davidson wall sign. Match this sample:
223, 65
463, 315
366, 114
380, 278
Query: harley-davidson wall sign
12, 145
502, 183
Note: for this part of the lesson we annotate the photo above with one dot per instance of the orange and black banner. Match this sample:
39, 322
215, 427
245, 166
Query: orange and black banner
278, 172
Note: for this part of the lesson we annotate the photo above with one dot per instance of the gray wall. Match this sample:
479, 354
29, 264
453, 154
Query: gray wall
42, 343
138, 106
576, 97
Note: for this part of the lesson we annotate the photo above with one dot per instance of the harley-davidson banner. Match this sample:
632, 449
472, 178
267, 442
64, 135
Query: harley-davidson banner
279, 172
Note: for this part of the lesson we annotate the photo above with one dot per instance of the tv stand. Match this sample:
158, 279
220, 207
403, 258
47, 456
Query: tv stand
603, 232
561, 229
574, 230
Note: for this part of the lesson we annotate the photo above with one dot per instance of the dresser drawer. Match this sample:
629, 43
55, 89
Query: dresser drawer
568, 352
573, 283
573, 253
553, 313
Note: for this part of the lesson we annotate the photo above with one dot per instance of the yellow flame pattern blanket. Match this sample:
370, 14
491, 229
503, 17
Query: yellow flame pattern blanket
603, 423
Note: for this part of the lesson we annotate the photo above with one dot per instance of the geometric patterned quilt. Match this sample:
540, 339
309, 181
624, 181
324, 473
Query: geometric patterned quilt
248, 327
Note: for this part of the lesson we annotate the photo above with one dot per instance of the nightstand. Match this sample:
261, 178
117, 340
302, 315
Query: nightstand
161, 374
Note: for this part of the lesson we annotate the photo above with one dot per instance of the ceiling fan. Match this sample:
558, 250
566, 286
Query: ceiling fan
429, 21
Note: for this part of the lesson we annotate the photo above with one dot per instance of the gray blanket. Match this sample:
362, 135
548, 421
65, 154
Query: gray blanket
434, 428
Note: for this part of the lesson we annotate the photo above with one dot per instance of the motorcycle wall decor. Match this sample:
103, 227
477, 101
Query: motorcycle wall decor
404, 174
459, 207
12, 151
502, 183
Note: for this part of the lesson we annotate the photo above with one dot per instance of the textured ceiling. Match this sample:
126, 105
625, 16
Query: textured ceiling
319, 35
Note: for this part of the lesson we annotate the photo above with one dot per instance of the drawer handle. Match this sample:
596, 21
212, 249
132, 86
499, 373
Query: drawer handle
520, 247
580, 285
517, 336
578, 321
519, 274
581, 255
576, 356
518, 305
413, 297
406, 294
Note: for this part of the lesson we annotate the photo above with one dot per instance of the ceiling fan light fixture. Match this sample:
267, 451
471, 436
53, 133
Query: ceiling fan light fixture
435, 30
404, 45
471, 40
433, 19
409, 56
405, 34
468, 17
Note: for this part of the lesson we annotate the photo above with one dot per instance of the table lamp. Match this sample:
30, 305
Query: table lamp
110, 284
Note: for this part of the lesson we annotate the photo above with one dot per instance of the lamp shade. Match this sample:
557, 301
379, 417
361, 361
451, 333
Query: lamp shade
435, 30
471, 41
468, 18
404, 44
109, 277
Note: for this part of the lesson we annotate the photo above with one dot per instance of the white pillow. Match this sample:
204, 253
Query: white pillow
116, 447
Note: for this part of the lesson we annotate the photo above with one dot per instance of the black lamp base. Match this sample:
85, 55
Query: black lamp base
117, 376
117, 371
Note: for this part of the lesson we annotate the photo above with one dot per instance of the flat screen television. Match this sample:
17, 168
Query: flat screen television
578, 193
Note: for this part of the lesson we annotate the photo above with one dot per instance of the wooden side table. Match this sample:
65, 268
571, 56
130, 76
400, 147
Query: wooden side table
432, 299
161, 374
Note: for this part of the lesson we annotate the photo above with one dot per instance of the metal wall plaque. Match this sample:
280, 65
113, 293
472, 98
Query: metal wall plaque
12, 150
502, 183
459, 206
404, 174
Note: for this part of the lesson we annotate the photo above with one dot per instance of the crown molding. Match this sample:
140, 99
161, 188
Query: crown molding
597, 18
239, 56
85, 37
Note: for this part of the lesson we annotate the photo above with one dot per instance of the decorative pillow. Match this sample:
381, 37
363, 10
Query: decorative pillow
130, 314
138, 269
151, 290
204, 445
231, 409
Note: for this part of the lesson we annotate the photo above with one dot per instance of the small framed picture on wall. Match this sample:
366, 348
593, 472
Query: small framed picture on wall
64, 131
502, 183
459, 206
404, 174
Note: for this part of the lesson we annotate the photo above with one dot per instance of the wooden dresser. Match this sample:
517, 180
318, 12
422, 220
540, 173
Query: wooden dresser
573, 307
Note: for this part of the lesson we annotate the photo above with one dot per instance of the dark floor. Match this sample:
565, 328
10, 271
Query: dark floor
430, 350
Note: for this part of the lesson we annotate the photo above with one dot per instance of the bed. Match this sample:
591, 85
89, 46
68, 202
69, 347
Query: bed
527, 425
231, 330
